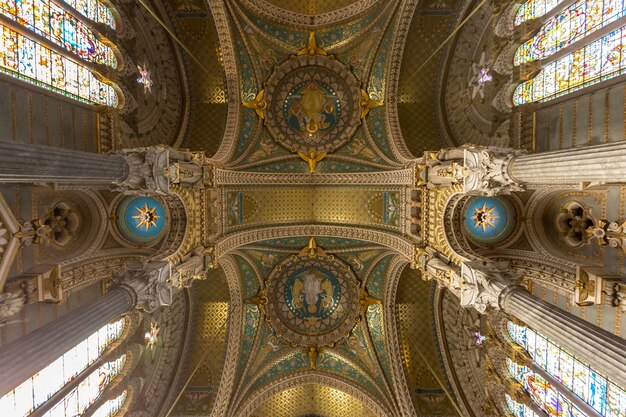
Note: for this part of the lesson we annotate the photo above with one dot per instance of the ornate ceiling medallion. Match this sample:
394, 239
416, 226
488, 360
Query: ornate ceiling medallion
313, 301
312, 104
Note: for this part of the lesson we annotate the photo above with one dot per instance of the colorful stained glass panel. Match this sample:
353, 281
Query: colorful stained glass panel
534, 9
591, 386
51, 21
600, 60
40, 387
29, 61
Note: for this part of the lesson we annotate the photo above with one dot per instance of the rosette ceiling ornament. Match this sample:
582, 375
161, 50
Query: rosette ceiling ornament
312, 104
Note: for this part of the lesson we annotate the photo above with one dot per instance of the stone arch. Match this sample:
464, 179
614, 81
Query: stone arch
307, 378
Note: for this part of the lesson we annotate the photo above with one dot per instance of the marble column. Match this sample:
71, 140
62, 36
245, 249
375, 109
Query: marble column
600, 349
27, 163
599, 163
143, 285
28, 355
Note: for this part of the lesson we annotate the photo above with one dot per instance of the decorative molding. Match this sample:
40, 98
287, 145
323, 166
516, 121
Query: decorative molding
398, 177
395, 242
290, 18
394, 133
399, 383
233, 345
229, 140
311, 377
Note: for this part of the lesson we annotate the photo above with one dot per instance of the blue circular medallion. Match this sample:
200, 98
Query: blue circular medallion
312, 293
488, 220
141, 219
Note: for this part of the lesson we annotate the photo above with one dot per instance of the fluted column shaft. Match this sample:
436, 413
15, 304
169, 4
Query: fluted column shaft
602, 163
24, 163
24, 357
600, 349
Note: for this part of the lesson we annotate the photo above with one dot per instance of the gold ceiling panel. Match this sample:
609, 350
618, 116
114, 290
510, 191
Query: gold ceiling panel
368, 206
312, 400
208, 119
417, 95
211, 301
413, 312
311, 7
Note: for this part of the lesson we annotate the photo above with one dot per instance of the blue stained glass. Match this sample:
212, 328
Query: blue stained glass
591, 386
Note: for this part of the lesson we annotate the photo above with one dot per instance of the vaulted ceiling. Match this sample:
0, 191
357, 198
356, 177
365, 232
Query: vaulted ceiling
243, 47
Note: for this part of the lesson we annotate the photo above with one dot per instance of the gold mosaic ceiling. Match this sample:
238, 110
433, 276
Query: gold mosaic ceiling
311, 7
312, 400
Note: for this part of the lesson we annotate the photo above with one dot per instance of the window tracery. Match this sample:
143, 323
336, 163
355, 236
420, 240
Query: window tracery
111, 407
94, 10
88, 391
48, 19
35, 391
607, 398
519, 410
534, 9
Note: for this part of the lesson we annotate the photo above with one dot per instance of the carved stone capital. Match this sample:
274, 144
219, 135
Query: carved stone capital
153, 169
481, 170
483, 283
149, 282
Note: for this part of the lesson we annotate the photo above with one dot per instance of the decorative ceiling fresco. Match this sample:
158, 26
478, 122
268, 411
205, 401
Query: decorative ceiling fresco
313, 263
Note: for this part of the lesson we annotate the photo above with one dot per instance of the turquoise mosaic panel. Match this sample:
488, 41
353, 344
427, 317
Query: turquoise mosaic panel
331, 363
376, 279
249, 279
250, 325
375, 323
293, 362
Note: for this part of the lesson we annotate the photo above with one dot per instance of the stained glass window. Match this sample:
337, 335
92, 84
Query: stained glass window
93, 10
111, 407
590, 385
544, 394
39, 388
88, 391
597, 61
569, 26
519, 410
533, 9
28, 60
49, 20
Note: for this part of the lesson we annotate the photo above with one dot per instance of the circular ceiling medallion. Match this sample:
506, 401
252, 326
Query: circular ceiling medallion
312, 104
489, 220
312, 301
140, 219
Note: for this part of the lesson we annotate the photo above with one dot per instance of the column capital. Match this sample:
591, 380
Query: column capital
153, 169
481, 170
148, 282
484, 284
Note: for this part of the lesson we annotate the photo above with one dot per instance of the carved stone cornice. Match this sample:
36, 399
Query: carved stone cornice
290, 18
311, 377
398, 177
395, 242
